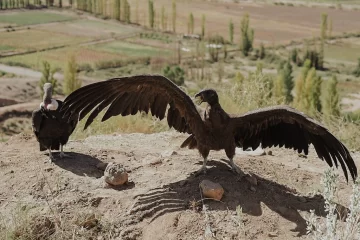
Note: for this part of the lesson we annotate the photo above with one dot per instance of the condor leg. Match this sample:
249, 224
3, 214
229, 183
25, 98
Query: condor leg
52, 159
62, 154
203, 169
230, 153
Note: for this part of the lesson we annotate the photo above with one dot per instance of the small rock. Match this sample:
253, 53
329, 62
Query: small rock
252, 188
273, 234
168, 153
156, 162
48, 169
302, 199
270, 153
102, 166
115, 174
95, 201
12, 171
211, 189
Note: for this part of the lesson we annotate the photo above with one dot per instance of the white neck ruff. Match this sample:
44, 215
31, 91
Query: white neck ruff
52, 106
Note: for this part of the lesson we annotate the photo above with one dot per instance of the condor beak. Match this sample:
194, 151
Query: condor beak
199, 99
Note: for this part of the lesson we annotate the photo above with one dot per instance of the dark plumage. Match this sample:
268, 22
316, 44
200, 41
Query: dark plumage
215, 130
50, 129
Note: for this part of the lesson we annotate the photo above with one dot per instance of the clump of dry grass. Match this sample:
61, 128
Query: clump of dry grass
331, 228
23, 225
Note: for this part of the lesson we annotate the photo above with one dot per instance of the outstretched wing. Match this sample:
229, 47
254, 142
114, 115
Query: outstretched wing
284, 126
129, 95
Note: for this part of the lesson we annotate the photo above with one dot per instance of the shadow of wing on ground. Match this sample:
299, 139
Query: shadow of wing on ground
183, 194
79, 164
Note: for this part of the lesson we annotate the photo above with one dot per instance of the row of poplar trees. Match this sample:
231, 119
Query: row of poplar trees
11, 4
309, 96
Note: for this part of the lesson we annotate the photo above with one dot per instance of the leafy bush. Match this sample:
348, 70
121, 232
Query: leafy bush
357, 70
47, 76
331, 229
120, 63
86, 67
71, 80
175, 74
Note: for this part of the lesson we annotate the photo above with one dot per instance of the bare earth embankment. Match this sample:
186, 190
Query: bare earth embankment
161, 200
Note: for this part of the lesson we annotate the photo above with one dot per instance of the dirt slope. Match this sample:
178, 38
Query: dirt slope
161, 200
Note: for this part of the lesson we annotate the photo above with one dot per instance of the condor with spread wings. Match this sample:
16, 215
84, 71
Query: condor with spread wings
216, 130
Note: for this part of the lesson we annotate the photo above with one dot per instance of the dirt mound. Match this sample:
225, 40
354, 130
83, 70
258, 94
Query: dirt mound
162, 200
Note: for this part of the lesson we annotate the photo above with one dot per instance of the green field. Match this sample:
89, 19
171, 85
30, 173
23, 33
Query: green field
91, 28
34, 39
89, 54
57, 58
6, 48
33, 17
342, 52
131, 50
95, 26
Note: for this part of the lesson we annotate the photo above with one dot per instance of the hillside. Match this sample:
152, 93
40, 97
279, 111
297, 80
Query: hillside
162, 200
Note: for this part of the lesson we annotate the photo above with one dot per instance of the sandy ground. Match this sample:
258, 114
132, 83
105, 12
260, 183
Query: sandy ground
162, 199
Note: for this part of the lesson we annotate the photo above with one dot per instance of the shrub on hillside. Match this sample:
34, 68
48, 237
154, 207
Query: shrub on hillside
175, 74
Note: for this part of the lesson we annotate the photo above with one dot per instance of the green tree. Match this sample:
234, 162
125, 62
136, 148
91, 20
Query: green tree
288, 82
279, 88
215, 43
117, 10
89, 7
100, 6
324, 26
203, 20
231, 31
262, 52
174, 15
314, 92
175, 74
163, 16
1, 4
247, 35
137, 11
299, 85
127, 15
191, 24
357, 70
104, 8
314, 56
284, 83
71, 81
151, 14
331, 98
47, 76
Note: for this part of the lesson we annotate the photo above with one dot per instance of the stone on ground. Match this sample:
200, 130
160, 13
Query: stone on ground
211, 189
115, 174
